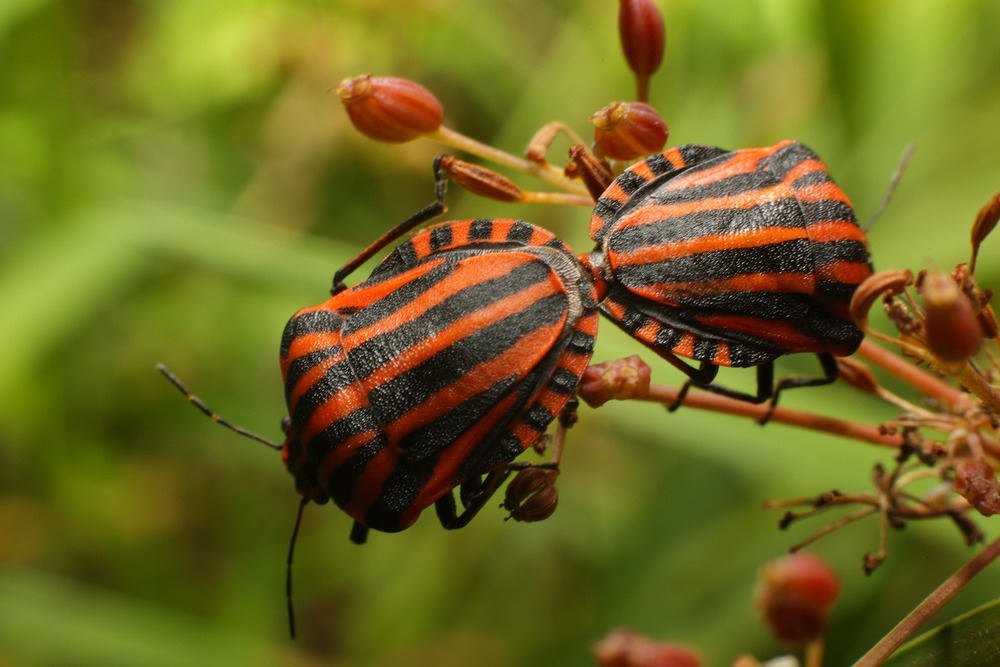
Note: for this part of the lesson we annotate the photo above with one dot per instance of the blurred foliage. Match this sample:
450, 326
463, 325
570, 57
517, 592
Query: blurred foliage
175, 181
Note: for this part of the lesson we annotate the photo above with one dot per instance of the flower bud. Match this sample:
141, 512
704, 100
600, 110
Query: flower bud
480, 180
951, 325
390, 109
976, 482
640, 27
532, 495
629, 130
619, 380
624, 648
796, 593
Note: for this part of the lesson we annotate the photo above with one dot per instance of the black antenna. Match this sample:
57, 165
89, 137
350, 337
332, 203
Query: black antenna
198, 403
288, 571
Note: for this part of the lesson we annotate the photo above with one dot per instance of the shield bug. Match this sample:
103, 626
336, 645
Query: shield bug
435, 372
732, 258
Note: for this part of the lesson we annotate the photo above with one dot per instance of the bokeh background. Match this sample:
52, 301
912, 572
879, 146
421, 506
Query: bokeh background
175, 181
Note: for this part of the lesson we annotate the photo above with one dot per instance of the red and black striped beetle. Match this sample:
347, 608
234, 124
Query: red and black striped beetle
732, 258
454, 356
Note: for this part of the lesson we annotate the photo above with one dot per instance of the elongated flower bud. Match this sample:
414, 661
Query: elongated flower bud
390, 109
640, 27
481, 181
629, 130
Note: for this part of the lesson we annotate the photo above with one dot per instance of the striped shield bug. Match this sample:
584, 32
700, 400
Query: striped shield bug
435, 372
732, 258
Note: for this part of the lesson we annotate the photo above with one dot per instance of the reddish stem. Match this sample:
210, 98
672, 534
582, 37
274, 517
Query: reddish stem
921, 380
704, 400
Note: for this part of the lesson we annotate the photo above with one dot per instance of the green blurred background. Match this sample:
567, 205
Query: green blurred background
175, 181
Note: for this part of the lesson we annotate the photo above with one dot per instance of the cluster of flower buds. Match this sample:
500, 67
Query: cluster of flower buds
396, 110
620, 380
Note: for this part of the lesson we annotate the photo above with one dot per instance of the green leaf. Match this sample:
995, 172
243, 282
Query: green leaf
971, 640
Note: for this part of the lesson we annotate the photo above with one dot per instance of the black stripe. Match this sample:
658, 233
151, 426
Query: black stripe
342, 480
659, 165
713, 222
377, 350
403, 258
630, 182
564, 382
336, 378
695, 155
401, 394
481, 229
785, 159
441, 237
316, 321
817, 177
580, 343
770, 305
401, 297
794, 256
827, 209
520, 233
302, 365
829, 252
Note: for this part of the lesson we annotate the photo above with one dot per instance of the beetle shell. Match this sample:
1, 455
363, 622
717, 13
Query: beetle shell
449, 361
732, 258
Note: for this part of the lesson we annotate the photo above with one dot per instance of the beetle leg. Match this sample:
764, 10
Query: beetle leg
474, 494
359, 533
831, 371
429, 212
699, 377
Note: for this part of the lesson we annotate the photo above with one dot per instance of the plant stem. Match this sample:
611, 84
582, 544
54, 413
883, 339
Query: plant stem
704, 400
930, 606
921, 380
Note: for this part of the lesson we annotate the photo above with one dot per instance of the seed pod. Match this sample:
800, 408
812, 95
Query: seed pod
532, 495
629, 130
390, 109
951, 325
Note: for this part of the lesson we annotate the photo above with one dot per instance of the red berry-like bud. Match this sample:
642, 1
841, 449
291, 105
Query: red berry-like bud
624, 648
629, 130
619, 380
390, 109
796, 593
976, 482
951, 324
640, 27
532, 495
